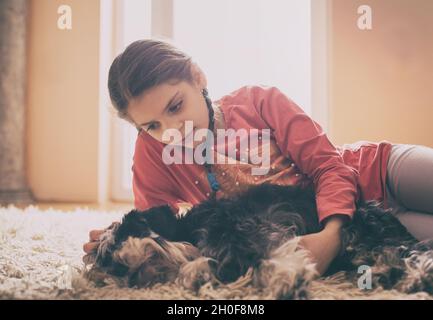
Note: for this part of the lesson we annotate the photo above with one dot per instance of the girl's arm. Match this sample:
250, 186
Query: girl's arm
303, 140
325, 245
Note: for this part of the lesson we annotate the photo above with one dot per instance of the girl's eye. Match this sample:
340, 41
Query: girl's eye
175, 108
151, 127
172, 109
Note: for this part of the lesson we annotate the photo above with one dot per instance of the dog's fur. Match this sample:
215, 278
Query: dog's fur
256, 232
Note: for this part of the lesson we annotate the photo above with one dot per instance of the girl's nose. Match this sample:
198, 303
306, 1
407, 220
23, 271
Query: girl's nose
177, 126
170, 125
181, 126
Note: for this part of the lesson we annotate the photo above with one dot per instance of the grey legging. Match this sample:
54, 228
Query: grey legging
409, 187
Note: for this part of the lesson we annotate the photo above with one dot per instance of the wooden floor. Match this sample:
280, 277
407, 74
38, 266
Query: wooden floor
62, 206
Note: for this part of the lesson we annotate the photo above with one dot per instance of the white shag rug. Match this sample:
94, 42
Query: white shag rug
41, 252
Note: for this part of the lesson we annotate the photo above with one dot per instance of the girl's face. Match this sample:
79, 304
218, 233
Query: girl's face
168, 106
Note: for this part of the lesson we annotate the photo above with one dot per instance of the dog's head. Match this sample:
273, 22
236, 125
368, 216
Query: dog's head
134, 253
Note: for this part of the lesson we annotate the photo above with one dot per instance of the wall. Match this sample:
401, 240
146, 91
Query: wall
381, 79
63, 102
380, 87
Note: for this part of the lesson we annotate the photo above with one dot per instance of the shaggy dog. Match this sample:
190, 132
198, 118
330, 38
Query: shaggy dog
256, 233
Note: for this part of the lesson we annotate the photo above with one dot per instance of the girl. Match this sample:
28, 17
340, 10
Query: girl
158, 88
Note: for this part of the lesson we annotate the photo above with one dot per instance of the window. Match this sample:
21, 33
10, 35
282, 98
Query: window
235, 43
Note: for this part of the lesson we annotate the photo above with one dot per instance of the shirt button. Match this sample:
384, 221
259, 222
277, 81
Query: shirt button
207, 194
223, 173
237, 183
292, 164
196, 182
297, 175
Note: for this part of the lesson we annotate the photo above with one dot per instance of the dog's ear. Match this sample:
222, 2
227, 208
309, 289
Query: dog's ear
134, 224
163, 221
140, 224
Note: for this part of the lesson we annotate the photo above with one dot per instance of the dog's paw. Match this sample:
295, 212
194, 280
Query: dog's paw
194, 274
419, 273
296, 290
282, 284
287, 273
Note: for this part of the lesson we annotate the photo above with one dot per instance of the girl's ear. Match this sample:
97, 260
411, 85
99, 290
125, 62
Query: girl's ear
198, 76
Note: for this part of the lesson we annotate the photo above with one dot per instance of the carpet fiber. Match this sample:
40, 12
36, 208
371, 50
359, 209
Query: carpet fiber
41, 251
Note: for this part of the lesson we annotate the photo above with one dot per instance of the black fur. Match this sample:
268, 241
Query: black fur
239, 233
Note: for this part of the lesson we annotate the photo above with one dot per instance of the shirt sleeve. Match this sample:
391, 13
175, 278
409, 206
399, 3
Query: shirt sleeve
151, 185
303, 140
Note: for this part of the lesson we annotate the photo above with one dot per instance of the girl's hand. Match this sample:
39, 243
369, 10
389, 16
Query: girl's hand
324, 245
184, 207
93, 243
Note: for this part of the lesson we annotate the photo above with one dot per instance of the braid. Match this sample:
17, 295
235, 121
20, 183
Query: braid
211, 177
209, 108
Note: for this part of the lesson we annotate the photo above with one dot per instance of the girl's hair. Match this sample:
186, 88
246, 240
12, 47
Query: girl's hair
143, 65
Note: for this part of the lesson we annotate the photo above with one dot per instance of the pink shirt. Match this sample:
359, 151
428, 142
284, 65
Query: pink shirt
340, 174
